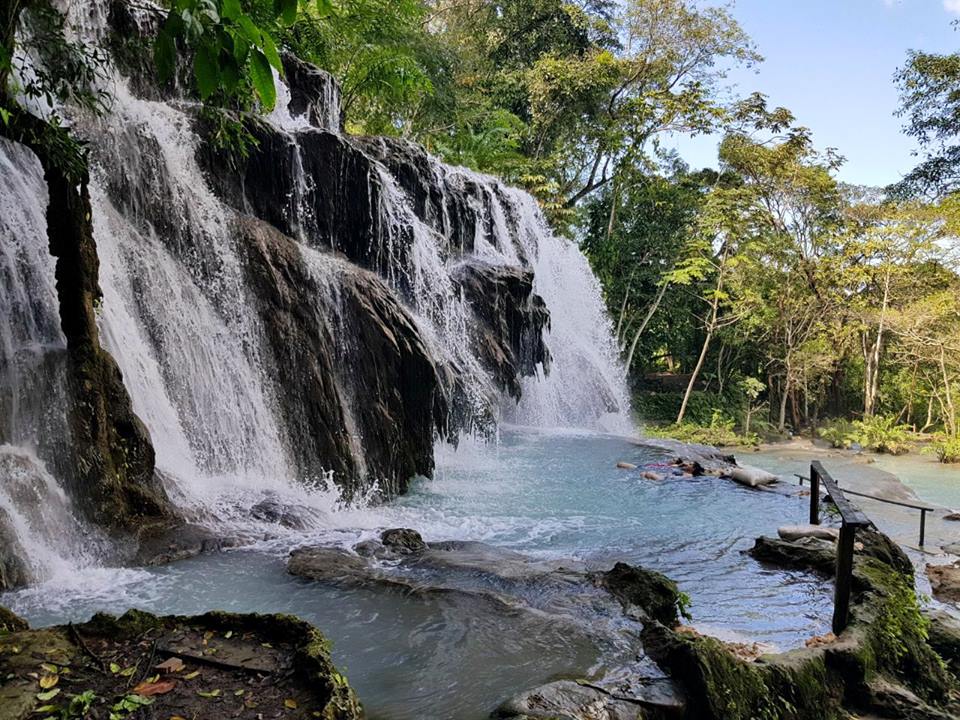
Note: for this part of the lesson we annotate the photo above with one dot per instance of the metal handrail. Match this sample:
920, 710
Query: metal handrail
924, 509
851, 518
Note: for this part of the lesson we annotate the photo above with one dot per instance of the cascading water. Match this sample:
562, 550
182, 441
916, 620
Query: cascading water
38, 530
181, 319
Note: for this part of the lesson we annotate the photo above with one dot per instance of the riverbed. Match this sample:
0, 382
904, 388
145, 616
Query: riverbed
551, 495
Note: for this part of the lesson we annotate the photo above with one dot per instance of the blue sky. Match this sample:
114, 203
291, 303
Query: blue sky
832, 62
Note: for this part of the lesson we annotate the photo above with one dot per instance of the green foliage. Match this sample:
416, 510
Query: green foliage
838, 432
67, 70
128, 706
720, 432
230, 52
947, 450
227, 133
929, 86
881, 434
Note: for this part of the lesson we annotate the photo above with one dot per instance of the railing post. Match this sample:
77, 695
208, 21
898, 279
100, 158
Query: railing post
923, 524
844, 577
814, 496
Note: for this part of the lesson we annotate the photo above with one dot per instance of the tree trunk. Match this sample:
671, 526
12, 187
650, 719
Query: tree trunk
872, 364
693, 377
784, 393
643, 326
951, 414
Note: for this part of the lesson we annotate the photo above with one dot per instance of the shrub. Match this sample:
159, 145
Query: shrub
720, 432
882, 434
948, 450
838, 432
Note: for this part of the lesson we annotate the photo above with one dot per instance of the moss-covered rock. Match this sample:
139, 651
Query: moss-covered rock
655, 595
10, 622
883, 663
943, 635
213, 665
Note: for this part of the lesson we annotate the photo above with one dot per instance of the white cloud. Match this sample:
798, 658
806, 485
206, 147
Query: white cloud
952, 6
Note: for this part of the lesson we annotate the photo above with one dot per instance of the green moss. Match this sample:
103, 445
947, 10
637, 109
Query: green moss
719, 685
885, 646
10, 622
897, 633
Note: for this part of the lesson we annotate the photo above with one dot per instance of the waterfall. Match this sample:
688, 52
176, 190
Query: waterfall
40, 537
188, 328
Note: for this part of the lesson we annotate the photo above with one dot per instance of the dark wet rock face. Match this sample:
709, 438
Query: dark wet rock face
511, 319
403, 541
14, 570
340, 339
110, 454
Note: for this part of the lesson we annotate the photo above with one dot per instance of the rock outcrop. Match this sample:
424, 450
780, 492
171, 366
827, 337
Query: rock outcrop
359, 391
510, 321
112, 460
213, 665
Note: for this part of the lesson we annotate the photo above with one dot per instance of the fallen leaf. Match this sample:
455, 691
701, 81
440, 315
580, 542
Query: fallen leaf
290, 703
229, 634
177, 717
114, 668
147, 689
48, 695
211, 694
47, 708
48, 681
127, 672
239, 692
153, 678
49, 667
191, 676
170, 665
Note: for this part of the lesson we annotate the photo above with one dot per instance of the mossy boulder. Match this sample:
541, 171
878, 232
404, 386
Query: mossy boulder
655, 595
213, 665
10, 622
884, 663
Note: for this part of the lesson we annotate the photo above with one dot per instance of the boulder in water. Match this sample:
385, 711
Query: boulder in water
14, 570
580, 700
10, 622
945, 582
179, 542
403, 541
655, 595
626, 466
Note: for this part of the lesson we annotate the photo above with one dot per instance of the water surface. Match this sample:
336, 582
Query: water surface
553, 495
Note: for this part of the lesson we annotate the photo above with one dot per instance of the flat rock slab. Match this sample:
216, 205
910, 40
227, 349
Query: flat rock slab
211, 666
